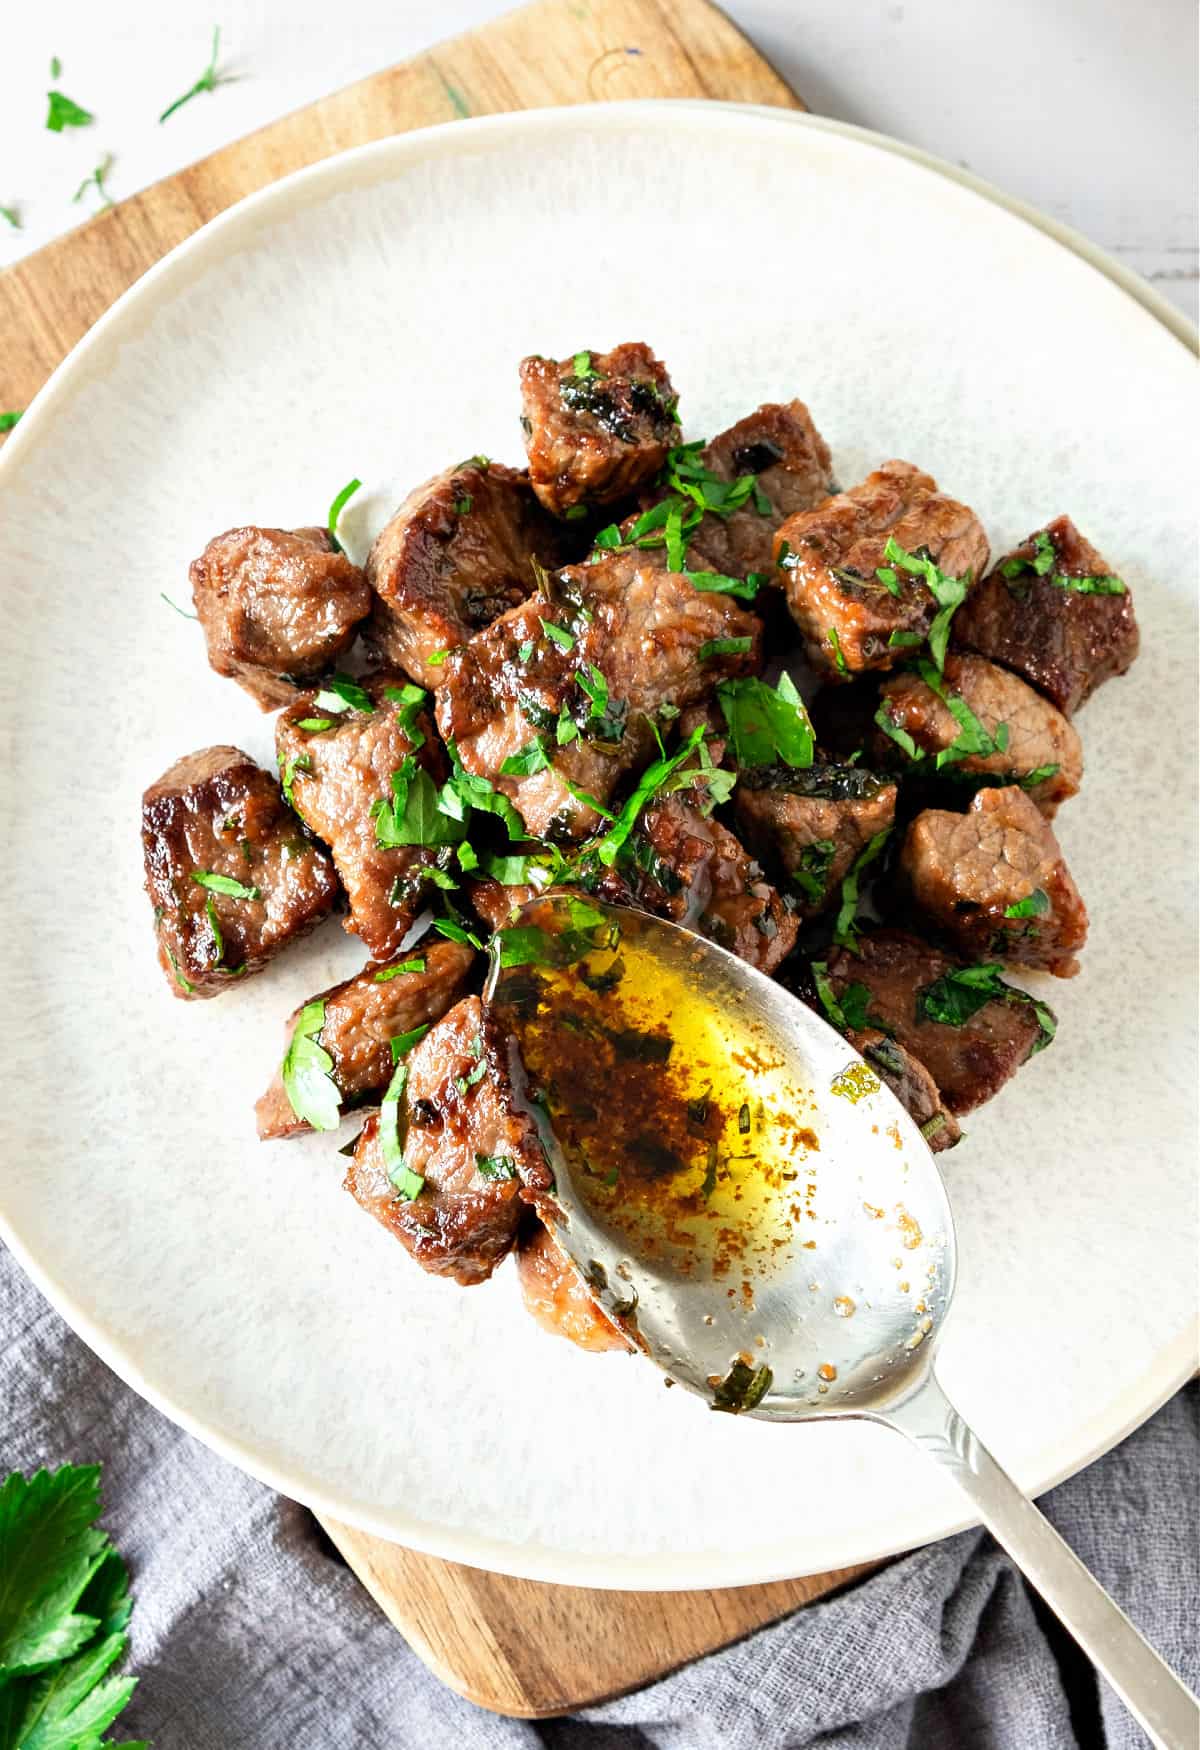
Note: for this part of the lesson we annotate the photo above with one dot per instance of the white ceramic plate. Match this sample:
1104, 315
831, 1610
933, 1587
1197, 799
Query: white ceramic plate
366, 317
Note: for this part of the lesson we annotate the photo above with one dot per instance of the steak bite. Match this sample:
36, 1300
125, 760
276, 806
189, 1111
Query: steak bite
1016, 736
455, 555
231, 874
812, 822
525, 709
970, 1029
692, 870
345, 773
360, 1018
912, 1085
995, 881
597, 425
849, 599
454, 1202
1053, 612
555, 1295
277, 608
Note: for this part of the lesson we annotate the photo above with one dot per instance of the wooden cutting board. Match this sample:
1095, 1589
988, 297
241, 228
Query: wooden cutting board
515, 1646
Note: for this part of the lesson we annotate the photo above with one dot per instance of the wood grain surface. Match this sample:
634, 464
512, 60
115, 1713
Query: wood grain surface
514, 1646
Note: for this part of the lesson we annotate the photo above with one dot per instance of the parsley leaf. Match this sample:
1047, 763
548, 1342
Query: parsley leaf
1089, 585
973, 740
960, 993
839, 655
96, 180
608, 537
673, 536
531, 758
436, 658
403, 1043
11, 216
408, 1184
812, 873
948, 592
465, 790
495, 1166
845, 932
208, 80
311, 725
454, 932
414, 816
743, 588
224, 884
595, 690
341, 693
581, 364
417, 964
898, 733
338, 506
650, 782
1045, 558
766, 723
850, 1012
63, 113
1034, 905
560, 635
9, 420
723, 647
1039, 775
312, 1093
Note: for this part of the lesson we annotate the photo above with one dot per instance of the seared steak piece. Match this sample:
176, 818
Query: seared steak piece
454, 556
1063, 640
596, 425
277, 608
514, 690
1040, 751
995, 881
693, 870
462, 1136
908, 984
495, 903
231, 874
812, 822
340, 778
555, 1295
912, 1085
832, 556
360, 1019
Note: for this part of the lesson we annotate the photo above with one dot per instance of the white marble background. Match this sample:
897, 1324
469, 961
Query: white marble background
1087, 108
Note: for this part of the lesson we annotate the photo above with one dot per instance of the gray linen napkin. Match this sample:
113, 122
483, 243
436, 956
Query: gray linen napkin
249, 1631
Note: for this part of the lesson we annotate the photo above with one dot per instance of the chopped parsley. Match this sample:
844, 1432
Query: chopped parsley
811, 875
454, 932
743, 588
180, 980
411, 700
839, 656
529, 759
959, 994
742, 1388
224, 884
648, 785
408, 1185
63, 113
845, 932
1034, 905
436, 658
723, 647
313, 1094
339, 504
298, 763
311, 725
674, 539
403, 1043
495, 1166
417, 964
462, 506
948, 592
973, 741
11, 216
208, 80
582, 366
1045, 558
465, 790
898, 733
413, 815
1039, 775
766, 723
12, 418
559, 634
96, 181
1089, 585
341, 694
609, 537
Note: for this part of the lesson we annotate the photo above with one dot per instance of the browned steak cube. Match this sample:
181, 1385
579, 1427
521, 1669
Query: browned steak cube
463, 1144
912, 1085
495, 903
856, 608
358, 1021
277, 608
514, 691
995, 881
555, 1295
596, 425
231, 874
1053, 612
455, 555
1022, 737
692, 870
812, 822
345, 766
970, 1030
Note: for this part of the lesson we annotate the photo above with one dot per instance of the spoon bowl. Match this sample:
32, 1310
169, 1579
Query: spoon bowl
753, 1207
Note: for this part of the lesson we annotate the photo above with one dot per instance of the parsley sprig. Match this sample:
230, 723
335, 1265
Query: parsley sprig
208, 80
64, 1610
307, 1068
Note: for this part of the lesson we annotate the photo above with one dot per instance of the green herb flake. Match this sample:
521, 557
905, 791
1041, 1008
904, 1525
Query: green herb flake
403, 1043
11, 216
417, 964
474, 1076
559, 634
208, 80
1034, 905
313, 1094
845, 932
608, 538
648, 785
742, 588
337, 507
838, 654
436, 658
905, 640
96, 181
1039, 775
495, 1166
742, 1388
462, 506
13, 418
224, 884
673, 537
529, 759
744, 1119
948, 592
766, 724
1089, 585
897, 732
63, 113
408, 1185
343, 693
889, 578
723, 647
811, 874
581, 364
180, 980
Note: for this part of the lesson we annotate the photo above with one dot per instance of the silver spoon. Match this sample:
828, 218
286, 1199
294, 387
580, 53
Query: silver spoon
835, 1307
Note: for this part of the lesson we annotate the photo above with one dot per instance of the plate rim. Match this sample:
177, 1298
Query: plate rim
1110, 1424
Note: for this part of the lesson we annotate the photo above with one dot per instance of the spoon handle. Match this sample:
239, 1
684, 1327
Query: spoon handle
1146, 1684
